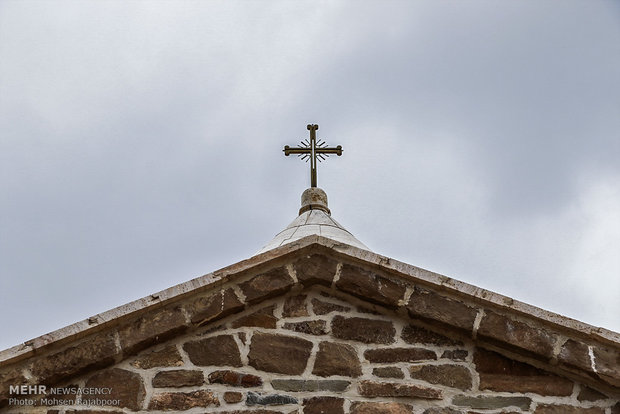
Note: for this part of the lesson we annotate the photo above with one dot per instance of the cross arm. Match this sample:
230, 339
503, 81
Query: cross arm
337, 150
288, 150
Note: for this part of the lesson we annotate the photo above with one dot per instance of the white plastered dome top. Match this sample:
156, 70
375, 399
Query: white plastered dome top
314, 218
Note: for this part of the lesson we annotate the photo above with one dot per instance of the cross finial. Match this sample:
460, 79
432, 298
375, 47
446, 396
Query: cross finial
312, 150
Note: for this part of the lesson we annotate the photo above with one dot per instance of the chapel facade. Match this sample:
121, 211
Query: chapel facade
314, 323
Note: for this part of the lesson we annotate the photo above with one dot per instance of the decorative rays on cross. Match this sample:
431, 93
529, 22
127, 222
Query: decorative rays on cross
305, 144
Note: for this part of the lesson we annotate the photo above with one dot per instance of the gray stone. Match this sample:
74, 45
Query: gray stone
297, 385
484, 402
271, 399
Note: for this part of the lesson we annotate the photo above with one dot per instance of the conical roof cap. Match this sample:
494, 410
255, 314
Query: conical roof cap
314, 219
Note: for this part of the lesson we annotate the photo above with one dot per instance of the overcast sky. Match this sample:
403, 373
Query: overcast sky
141, 144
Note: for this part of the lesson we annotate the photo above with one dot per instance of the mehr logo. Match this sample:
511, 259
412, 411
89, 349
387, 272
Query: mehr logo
27, 389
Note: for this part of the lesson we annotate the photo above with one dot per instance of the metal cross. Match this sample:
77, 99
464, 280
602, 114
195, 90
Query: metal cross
313, 150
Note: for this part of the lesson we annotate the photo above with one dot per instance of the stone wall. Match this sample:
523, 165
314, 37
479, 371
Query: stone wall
325, 337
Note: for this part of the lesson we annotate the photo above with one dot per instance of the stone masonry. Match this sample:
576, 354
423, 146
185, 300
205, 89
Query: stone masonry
315, 332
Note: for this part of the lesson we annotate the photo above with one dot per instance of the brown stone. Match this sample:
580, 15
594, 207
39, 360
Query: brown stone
183, 400
217, 350
316, 327
85, 412
498, 373
232, 397
446, 410
177, 378
235, 379
607, 361
295, 306
389, 355
166, 357
323, 308
380, 408
433, 306
416, 335
336, 359
315, 269
388, 372
363, 330
150, 329
506, 331
575, 354
455, 376
267, 285
455, 354
262, 318
615, 409
98, 351
279, 353
566, 409
125, 386
379, 289
324, 405
214, 306
588, 394
396, 389
10, 376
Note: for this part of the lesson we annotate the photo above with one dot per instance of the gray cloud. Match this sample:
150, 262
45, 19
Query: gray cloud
141, 144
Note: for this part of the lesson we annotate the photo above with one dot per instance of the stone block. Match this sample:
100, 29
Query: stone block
315, 269
607, 363
125, 386
302, 385
566, 409
588, 394
575, 354
416, 335
388, 372
267, 285
323, 308
316, 327
262, 318
491, 402
178, 378
370, 286
359, 407
498, 373
390, 355
433, 306
181, 401
232, 397
455, 354
363, 330
236, 379
150, 329
324, 405
395, 389
295, 306
97, 351
336, 359
211, 307
218, 350
279, 353
445, 410
271, 399
166, 357
455, 376
506, 331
